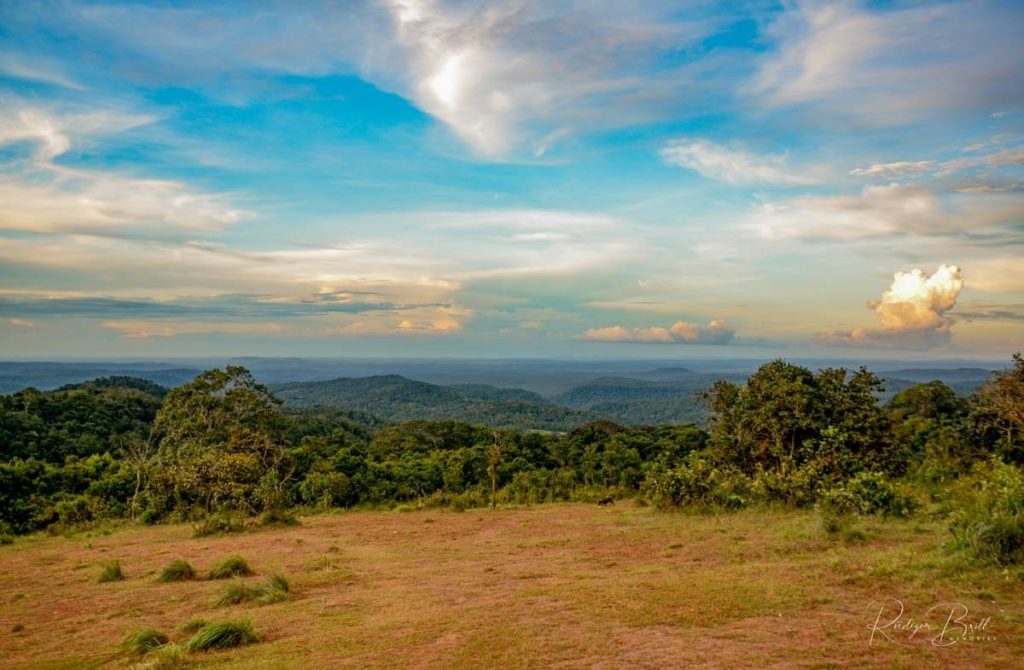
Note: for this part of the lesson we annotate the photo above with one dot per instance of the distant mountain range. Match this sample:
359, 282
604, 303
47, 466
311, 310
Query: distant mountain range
560, 395
397, 398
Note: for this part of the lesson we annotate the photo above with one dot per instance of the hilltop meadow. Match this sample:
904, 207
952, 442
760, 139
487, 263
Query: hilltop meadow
809, 524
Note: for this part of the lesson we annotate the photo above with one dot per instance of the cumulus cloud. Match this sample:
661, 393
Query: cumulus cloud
715, 332
912, 312
730, 164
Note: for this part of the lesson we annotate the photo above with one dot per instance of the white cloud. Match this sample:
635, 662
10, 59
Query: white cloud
715, 332
896, 170
733, 165
879, 211
884, 66
41, 195
911, 313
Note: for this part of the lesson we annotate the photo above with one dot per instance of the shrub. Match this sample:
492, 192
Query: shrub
110, 571
867, 493
143, 641
278, 517
988, 526
699, 483
797, 487
177, 571
232, 566
222, 636
217, 524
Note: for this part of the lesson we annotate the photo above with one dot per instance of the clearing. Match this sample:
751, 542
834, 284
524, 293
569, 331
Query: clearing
547, 586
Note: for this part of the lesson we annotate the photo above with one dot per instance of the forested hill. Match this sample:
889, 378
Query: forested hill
396, 398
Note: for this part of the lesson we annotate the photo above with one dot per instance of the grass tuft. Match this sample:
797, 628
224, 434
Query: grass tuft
110, 571
143, 641
232, 566
167, 657
192, 625
177, 571
273, 589
223, 635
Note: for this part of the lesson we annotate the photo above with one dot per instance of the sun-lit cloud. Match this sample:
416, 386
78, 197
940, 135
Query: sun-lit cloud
715, 332
912, 312
732, 164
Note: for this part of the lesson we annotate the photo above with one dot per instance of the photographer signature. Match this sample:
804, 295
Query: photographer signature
945, 624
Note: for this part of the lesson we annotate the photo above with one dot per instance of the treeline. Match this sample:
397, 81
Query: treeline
223, 443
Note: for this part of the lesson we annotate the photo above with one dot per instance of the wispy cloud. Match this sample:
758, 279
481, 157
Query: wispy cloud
732, 164
892, 65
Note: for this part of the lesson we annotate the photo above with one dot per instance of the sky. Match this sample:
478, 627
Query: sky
512, 179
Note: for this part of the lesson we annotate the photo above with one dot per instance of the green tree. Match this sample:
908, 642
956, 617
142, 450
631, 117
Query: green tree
220, 436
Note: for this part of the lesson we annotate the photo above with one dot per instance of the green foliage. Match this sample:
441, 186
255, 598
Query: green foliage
273, 589
110, 571
988, 522
232, 566
143, 641
235, 593
221, 435
223, 635
167, 657
177, 571
697, 482
867, 493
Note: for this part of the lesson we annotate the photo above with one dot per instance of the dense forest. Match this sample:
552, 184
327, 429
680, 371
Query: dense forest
223, 444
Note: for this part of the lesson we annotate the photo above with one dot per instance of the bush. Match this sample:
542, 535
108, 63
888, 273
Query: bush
797, 487
696, 482
143, 641
177, 571
867, 493
232, 566
217, 524
988, 526
110, 571
278, 517
235, 593
222, 636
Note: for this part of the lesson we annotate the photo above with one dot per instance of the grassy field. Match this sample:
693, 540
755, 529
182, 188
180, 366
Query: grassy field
550, 586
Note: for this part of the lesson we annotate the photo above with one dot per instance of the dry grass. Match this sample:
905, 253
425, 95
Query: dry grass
552, 586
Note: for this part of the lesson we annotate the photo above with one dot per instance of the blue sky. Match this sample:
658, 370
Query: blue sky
426, 177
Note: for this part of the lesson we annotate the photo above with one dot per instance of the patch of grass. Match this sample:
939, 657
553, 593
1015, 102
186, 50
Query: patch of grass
177, 571
110, 571
224, 635
143, 641
17, 628
192, 625
232, 566
217, 524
